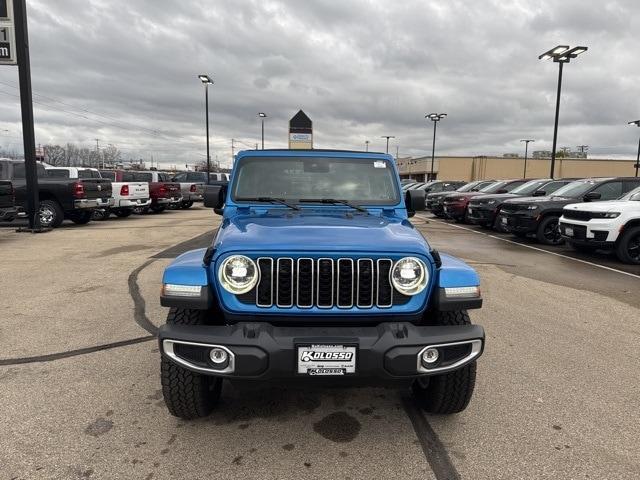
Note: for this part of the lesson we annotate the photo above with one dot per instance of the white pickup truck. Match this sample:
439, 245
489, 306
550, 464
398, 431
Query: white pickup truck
125, 196
609, 225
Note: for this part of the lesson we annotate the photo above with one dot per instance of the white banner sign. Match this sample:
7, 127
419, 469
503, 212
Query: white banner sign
300, 137
7, 34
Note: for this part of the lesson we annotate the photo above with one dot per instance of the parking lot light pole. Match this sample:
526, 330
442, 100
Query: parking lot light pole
366, 145
206, 80
262, 116
435, 118
387, 137
561, 54
637, 165
526, 151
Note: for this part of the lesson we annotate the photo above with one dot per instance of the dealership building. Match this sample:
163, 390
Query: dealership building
485, 167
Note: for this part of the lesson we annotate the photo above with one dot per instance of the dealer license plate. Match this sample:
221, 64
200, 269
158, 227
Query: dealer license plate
326, 359
568, 231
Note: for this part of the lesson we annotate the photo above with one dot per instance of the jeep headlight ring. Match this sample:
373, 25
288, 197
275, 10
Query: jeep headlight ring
409, 276
238, 274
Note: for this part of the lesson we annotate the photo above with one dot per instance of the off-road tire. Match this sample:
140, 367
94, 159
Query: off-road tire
543, 234
81, 218
123, 213
187, 394
450, 392
57, 214
626, 248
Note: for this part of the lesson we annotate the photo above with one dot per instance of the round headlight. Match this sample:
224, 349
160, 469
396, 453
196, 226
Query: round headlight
238, 274
409, 276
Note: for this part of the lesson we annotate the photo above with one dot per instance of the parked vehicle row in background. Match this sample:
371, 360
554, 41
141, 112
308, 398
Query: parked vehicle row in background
456, 204
127, 195
435, 199
60, 198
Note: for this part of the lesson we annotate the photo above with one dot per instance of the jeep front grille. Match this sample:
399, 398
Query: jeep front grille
324, 283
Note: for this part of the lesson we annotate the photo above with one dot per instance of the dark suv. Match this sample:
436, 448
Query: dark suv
455, 205
484, 210
539, 215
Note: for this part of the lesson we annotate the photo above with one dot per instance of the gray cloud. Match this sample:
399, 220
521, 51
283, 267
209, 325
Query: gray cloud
360, 69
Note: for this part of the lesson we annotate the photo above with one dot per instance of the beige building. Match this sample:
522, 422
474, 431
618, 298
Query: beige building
482, 167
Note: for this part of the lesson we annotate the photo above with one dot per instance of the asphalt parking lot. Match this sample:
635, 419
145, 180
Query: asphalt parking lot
557, 394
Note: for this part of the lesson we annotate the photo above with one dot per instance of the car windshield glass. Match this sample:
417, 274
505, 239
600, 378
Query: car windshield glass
575, 189
109, 175
493, 188
529, 187
56, 173
357, 180
469, 186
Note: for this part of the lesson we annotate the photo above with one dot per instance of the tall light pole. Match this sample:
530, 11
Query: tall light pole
206, 80
366, 145
387, 137
526, 151
262, 116
637, 165
435, 118
561, 54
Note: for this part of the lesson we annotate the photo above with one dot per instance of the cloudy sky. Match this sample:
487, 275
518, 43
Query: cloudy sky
125, 72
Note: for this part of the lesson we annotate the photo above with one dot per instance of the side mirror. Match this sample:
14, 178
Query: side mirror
415, 200
539, 193
592, 196
214, 196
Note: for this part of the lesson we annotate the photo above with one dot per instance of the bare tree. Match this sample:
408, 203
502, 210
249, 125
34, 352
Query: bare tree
54, 155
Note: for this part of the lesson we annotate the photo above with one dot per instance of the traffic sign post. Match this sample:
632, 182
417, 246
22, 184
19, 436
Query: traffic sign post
14, 50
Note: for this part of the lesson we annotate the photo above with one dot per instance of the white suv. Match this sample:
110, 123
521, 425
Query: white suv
613, 224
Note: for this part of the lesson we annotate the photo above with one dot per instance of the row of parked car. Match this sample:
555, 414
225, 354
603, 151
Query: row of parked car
82, 194
587, 214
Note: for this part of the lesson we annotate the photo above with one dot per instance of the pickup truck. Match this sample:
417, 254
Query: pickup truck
8, 210
127, 196
60, 198
613, 225
162, 191
539, 216
316, 271
192, 185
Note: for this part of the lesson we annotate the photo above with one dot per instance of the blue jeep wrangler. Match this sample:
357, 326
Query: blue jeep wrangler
316, 271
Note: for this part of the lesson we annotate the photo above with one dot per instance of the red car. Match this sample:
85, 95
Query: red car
456, 204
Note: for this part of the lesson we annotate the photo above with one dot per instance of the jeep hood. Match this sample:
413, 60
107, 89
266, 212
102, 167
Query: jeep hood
318, 232
605, 206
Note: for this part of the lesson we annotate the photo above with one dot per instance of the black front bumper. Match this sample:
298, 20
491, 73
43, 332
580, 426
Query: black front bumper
478, 215
518, 223
262, 351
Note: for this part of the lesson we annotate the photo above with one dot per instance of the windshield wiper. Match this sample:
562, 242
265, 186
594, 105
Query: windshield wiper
281, 201
334, 201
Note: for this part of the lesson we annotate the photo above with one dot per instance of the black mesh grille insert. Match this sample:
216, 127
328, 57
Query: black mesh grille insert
325, 283
264, 290
365, 282
305, 282
384, 285
285, 282
345, 282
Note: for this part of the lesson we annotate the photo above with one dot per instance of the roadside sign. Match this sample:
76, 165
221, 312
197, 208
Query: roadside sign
7, 34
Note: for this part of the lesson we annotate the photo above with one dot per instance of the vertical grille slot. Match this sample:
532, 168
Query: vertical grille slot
305, 283
264, 291
284, 282
324, 297
345, 283
365, 283
385, 291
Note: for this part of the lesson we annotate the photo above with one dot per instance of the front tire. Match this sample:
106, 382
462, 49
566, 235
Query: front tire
450, 392
628, 247
548, 232
186, 205
188, 394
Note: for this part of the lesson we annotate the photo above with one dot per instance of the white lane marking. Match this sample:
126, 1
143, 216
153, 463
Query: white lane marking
532, 247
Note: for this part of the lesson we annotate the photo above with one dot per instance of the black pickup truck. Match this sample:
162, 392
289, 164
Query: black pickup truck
8, 208
60, 198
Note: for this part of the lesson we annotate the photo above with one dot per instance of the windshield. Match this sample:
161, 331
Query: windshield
575, 189
529, 187
473, 185
358, 180
493, 188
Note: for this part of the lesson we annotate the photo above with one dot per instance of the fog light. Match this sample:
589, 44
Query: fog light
430, 356
218, 356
